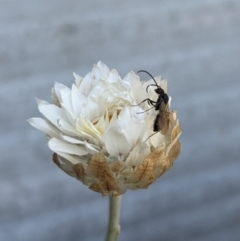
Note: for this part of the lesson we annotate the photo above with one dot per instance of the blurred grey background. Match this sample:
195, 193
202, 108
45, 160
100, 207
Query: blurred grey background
194, 44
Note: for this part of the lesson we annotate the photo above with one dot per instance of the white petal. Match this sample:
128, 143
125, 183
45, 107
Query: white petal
70, 116
102, 124
72, 140
58, 87
78, 79
52, 112
113, 76
92, 110
100, 71
78, 100
86, 84
133, 79
84, 126
133, 125
89, 137
66, 99
58, 117
115, 141
55, 98
67, 128
112, 121
139, 92
57, 145
104, 68
39, 101
44, 126
92, 149
138, 154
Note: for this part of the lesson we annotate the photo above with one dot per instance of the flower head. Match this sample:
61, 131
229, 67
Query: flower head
102, 136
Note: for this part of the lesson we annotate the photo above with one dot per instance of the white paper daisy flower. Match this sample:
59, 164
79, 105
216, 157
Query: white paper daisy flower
101, 136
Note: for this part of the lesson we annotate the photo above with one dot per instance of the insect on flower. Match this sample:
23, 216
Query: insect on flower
161, 122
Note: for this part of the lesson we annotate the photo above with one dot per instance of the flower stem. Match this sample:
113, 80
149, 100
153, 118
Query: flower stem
113, 222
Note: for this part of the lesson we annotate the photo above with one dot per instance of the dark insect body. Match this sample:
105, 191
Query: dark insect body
161, 122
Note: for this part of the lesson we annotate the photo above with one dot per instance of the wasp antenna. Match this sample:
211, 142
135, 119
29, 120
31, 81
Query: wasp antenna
144, 71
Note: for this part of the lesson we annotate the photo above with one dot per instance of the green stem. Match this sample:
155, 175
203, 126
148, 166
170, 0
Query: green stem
113, 222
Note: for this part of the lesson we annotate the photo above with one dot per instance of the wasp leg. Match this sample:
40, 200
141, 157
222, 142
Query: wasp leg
145, 110
150, 102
